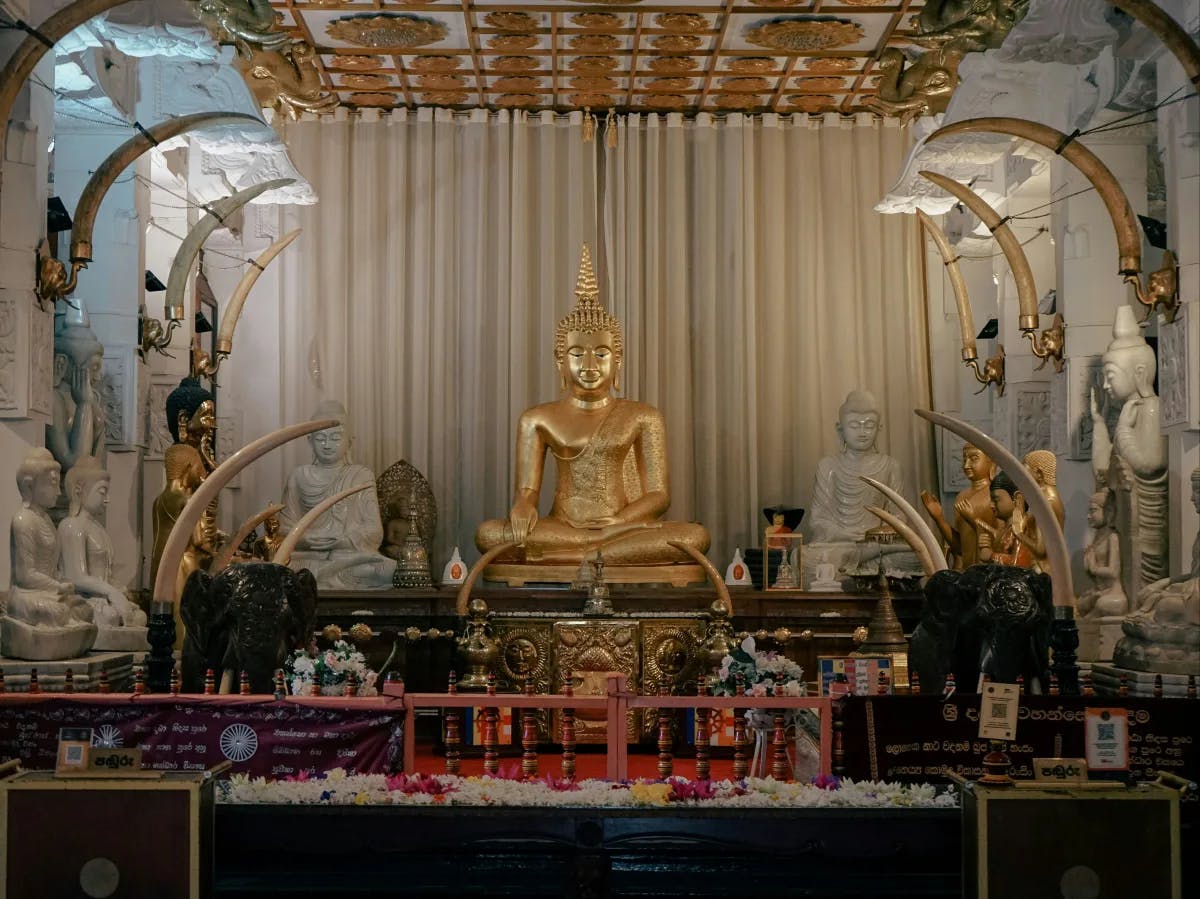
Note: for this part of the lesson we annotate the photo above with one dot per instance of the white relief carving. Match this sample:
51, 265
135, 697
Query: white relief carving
229, 438
111, 390
1033, 418
158, 437
41, 360
8, 354
1067, 31
1175, 373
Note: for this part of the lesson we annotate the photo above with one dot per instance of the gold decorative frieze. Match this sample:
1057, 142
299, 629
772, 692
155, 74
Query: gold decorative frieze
681, 21
778, 2
802, 35
864, 2
820, 84
444, 98
390, 30
594, 83
513, 41
676, 43
518, 101
590, 651
512, 21
738, 101
745, 84
825, 64
381, 99
673, 65
358, 62
593, 64
672, 83
525, 651
589, 99
365, 82
810, 102
748, 65
517, 84
665, 101
596, 21
441, 81
514, 64
594, 43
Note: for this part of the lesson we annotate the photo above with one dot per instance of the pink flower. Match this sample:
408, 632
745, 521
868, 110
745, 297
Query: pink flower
758, 690
684, 790
559, 784
826, 782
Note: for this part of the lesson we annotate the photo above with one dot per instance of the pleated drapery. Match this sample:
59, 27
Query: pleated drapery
755, 283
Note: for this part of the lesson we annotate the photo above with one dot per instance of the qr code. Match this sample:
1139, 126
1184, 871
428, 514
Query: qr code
999, 710
75, 754
1106, 731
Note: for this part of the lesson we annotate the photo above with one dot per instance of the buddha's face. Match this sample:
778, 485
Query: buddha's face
95, 497
1119, 382
1002, 504
329, 446
591, 364
95, 367
45, 487
976, 466
777, 520
859, 429
1095, 514
521, 655
202, 423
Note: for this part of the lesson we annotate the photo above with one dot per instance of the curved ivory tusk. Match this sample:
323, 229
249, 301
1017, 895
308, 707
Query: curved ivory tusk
34, 46
1129, 238
464, 592
233, 310
966, 320
177, 540
107, 172
909, 535
222, 559
186, 255
1052, 533
1018, 262
709, 569
919, 525
283, 555
1168, 31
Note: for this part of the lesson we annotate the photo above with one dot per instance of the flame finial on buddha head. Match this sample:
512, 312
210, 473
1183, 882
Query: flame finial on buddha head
587, 316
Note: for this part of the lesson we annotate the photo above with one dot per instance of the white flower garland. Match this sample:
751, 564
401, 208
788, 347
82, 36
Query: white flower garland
339, 788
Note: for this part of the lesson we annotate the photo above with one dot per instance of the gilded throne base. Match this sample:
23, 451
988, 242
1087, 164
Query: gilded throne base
518, 574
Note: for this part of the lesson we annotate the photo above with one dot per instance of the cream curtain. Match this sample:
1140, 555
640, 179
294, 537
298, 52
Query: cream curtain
755, 283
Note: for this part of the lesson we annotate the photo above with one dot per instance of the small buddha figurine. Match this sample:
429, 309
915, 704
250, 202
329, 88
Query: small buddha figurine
773, 538
77, 426
341, 548
192, 419
87, 553
1043, 465
999, 543
1102, 562
184, 470
612, 488
266, 545
840, 496
43, 617
974, 504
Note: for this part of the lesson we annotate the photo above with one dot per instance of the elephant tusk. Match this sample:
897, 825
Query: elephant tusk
233, 310
1018, 262
33, 47
919, 525
966, 320
1052, 533
283, 555
909, 535
1129, 238
1168, 31
464, 592
104, 176
218, 212
222, 559
713, 575
177, 540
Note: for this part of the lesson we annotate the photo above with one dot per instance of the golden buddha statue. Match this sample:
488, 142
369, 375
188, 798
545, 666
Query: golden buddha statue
972, 505
611, 458
1043, 465
184, 469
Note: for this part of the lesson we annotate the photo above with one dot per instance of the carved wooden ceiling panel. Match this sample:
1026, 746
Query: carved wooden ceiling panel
650, 55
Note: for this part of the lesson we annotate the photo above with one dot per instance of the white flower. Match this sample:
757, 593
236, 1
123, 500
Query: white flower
748, 646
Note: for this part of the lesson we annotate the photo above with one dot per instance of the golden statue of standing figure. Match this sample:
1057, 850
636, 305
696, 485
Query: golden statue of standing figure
611, 459
972, 505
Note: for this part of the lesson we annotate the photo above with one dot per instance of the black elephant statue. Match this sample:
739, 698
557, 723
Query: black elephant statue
250, 617
988, 619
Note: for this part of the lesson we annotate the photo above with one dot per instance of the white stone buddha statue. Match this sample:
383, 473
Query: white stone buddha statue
1102, 562
78, 415
840, 497
43, 618
87, 559
341, 548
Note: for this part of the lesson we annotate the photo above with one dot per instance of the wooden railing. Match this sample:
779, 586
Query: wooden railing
615, 704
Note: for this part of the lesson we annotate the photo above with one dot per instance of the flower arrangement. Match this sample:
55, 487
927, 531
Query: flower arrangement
312, 672
337, 787
760, 673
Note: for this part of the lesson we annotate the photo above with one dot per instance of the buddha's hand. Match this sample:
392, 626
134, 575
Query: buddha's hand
1018, 513
963, 507
1129, 413
522, 519
321, 544
932, 506
81, 386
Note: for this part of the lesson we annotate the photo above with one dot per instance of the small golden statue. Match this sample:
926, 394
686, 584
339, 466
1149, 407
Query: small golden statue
611, 456
972, 506
1002, 542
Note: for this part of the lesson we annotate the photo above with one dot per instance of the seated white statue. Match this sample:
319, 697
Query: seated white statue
838, 513
87, 559
43, 619
341, 548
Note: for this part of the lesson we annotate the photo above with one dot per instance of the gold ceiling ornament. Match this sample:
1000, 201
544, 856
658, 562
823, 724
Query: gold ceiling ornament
390, 30
778, 2
594, 83
441, 81
665, 101
863, 2
514, 64
746, 65
681, 21
596, 21
513, 41
517, 84
820, 84
670, 84
738, 101
800, 35
596, 101
512, 21
517, 101
444, 98
825, 64
593, 64
744, 84
434, 64
595, 43
359, 62
608, 2
382, 99
672, 65
365, 82
810, 102
676, 43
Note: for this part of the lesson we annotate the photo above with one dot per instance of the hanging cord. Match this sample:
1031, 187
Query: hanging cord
1040, 231
240, 260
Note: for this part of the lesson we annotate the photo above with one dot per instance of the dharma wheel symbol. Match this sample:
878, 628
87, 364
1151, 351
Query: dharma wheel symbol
107, 737
239, 742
